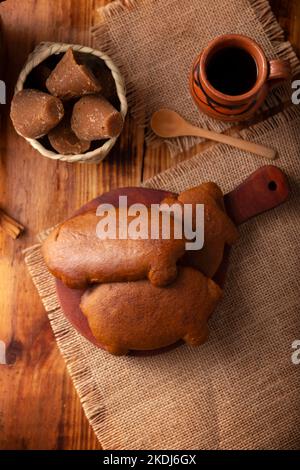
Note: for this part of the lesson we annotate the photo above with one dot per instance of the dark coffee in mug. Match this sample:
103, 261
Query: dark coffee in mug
232, 71
231, 78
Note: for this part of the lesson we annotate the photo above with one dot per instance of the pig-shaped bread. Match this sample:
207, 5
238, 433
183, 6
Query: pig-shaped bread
140, 316
219, 230
76, 255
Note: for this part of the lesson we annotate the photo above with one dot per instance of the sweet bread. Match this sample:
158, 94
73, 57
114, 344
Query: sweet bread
219, 230
144, 293
76, 255
140, 316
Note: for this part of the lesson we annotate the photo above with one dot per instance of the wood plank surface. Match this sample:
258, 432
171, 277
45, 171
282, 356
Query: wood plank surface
39, 408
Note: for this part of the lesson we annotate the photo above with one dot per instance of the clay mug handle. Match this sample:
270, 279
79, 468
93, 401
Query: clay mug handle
280, 70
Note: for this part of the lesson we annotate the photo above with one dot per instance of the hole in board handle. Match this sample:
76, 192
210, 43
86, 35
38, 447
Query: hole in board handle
272, 186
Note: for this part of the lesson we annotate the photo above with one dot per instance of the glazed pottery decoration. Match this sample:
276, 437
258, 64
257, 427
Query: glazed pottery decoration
232, 77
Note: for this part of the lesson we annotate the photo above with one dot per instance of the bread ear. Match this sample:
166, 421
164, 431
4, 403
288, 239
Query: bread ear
196, 194
170, 200
214, 292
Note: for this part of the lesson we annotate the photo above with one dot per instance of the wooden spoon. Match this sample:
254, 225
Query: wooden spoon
167, 123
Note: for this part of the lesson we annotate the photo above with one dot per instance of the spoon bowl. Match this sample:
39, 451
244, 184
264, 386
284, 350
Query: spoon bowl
167, 123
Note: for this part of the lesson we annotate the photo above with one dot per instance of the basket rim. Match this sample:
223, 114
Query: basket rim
41, 52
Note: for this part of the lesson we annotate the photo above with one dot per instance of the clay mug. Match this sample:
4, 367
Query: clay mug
234, 57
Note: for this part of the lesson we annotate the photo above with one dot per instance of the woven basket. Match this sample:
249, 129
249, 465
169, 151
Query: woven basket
41, 53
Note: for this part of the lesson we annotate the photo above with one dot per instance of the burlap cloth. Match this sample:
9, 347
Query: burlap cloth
154, 43
240, 390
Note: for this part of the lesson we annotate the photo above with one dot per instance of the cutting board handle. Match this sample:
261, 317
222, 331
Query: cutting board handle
265, 189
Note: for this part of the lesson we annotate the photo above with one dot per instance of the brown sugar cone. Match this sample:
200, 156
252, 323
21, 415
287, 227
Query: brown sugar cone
65, 142
104, 76
94, 118
70, 79
35, 113
140, 316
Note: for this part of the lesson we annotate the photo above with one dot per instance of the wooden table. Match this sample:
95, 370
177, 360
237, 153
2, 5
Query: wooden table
39, 408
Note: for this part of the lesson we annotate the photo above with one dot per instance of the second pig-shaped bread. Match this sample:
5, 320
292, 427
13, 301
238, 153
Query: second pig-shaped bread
219, 230
76, 255
140, 316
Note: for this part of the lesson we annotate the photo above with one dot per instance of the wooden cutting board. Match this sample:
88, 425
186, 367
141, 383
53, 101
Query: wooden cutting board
265, 189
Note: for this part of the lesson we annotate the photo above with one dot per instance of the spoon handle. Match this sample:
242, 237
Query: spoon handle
251, 147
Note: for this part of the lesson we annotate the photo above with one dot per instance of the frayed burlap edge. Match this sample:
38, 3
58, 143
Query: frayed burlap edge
262, 9
69, 341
